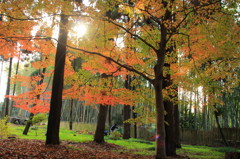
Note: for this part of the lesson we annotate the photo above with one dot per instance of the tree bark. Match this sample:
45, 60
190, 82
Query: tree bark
5, 108
99, 133
26, 129
177, 126
57, 88
135, 124
126, 126
109, 116
14, 86
71, 116
127, 113
160, 132
170, 129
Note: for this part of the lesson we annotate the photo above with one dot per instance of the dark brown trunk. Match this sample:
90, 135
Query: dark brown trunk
126, 125
160, 127
127, 113
27, 127
135, 124
71, 116
57, 88
177, 126
170, 129
160, 132
99, 133
109, 116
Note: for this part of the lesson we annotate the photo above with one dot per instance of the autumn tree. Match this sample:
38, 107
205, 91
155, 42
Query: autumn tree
160, 17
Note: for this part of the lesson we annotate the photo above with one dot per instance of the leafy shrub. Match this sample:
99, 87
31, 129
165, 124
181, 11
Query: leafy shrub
115, 135
4, 132
38, 118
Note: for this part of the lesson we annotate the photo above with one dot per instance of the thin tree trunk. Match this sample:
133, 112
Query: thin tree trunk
190, 111
6, 100
135, 124
195, 110
71, 116
1, 71
14, 87
218, 124
127, 113
57, 88
27, 127
204, 112
220, 129
109, 116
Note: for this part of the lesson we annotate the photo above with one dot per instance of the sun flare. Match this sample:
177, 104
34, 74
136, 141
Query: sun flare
80, 30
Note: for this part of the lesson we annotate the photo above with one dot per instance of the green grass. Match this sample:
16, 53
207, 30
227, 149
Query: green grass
132, 145
205, 152
39, 134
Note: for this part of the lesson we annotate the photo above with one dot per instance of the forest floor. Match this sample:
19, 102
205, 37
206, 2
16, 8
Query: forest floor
30, 149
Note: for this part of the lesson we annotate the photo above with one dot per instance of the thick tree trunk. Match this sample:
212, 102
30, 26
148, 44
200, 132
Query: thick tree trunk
170, 129
126, 126
57, 88
99, 133
160, 131
177, 126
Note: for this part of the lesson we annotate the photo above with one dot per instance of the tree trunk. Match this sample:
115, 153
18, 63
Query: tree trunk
109, 116
57, 88
169, 127
1, 71
160, 132
135, 124
14, 87
25, 131
99, 133
126, 126
177, 126
127, 113
71, 116
6, 100
190, 120
219, 127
